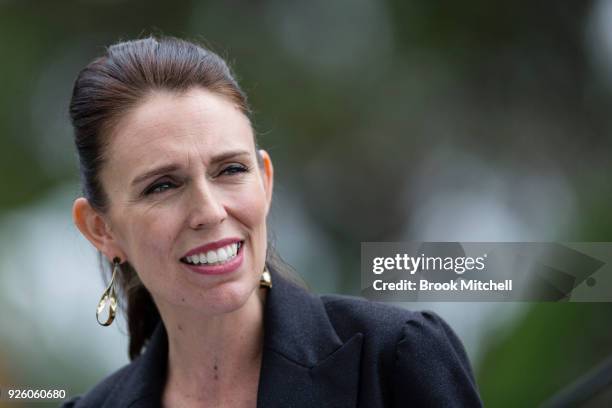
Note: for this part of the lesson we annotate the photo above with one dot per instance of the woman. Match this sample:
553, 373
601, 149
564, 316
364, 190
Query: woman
176, 195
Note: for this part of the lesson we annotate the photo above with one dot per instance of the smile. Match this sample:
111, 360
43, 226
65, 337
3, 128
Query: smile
218, 256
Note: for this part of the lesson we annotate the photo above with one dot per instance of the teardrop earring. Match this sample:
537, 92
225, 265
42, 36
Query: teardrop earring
109, 297
266, 280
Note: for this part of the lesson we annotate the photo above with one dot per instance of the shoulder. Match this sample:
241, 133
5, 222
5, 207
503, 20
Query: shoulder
140, 380
388, 328
350, 314
421, 358
96, 396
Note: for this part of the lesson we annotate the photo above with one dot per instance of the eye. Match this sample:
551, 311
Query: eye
234, 169
160, 187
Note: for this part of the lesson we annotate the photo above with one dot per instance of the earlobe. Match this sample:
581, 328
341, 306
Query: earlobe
268, 174
93, 227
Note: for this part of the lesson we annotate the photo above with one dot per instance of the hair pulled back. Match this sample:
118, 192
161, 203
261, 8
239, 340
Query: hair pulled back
103, 92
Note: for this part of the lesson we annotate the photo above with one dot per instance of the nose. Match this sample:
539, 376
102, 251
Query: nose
206, 206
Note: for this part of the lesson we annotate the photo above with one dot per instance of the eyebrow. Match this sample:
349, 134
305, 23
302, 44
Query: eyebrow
168, 168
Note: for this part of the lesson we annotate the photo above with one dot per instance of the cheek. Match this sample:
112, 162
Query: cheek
250, 209
150, 235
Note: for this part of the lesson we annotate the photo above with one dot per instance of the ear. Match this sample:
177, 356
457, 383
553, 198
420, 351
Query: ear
93, 226
268, 176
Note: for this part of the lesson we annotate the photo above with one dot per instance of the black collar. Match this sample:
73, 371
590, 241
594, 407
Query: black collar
304, 361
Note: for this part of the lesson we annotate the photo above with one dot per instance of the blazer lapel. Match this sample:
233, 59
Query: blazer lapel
304, 362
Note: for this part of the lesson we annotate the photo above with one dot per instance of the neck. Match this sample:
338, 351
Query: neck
210, 356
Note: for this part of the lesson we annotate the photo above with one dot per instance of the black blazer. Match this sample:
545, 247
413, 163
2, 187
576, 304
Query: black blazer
324, 351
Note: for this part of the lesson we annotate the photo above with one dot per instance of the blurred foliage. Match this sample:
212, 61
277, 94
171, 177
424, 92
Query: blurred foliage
544, 353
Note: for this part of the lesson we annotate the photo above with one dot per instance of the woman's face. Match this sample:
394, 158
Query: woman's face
182, 173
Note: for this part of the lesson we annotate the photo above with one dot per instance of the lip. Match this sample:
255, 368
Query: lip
227, 267
212, 246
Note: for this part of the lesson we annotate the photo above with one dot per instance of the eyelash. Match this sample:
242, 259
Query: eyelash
151, 190
229, 170
235, 169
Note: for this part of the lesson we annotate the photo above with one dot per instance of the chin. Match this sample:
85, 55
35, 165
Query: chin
226, 298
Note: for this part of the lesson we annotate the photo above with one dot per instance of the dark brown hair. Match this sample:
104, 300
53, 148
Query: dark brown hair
103, 92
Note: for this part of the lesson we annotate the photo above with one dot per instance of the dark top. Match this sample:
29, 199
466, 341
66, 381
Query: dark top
324, 351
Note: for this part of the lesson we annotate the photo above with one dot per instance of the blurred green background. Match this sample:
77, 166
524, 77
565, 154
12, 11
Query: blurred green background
386, 120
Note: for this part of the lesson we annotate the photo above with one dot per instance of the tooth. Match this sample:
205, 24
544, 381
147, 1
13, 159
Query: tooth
211, 256
234, 248
221, 255
194, 259
202, 258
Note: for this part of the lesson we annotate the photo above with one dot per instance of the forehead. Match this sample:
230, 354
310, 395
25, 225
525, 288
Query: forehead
168, 123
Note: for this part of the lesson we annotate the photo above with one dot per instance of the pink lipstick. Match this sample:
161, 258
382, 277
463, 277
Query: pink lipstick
220, 257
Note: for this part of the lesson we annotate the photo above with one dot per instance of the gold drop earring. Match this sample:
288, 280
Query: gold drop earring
266, 280
109, 297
